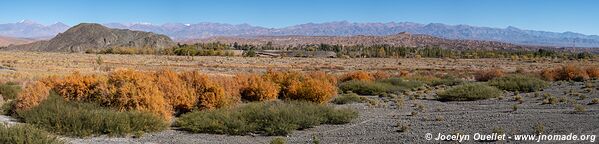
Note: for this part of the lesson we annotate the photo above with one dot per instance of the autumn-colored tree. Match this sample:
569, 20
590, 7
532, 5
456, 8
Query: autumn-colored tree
317, 87
231, 87
134, 90
176, 92
257, 88
285, 79
78, 87
323, 76
32, 95
208, 94
312, 89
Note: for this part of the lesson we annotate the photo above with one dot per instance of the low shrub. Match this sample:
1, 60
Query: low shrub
313, 90
32, 95
347, 98
593, 72
257, 88
570, 72
469, 92
268, 118
595, 101
403, 84
426, 79
390, 85
85, 119
323, 76
357, 75
26, 134
7, 108
9, 90
316, 87
486, 75
278, 140
447, 81
519, 83
380, 75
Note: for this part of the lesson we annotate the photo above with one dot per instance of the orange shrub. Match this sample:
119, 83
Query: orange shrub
550, 74
208, 94
78, 87
180, 97
285, 80
316, 87
357, 75
593, 72
257, 88
312, 89
323, 76
572, 72
487, 75
32, 96
134, 90
379, 75
231, 87
404, 73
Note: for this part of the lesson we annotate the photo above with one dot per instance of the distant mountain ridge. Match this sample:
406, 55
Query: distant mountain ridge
87, 36
183, 32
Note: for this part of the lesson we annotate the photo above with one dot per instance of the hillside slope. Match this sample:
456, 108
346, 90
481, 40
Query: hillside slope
87, 36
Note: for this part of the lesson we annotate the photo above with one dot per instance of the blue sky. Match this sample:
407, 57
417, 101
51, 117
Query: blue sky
550, 15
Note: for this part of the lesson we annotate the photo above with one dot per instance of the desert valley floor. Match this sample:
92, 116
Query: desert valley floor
378, 118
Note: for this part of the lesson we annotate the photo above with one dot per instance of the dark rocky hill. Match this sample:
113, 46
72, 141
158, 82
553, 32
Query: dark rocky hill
87, 36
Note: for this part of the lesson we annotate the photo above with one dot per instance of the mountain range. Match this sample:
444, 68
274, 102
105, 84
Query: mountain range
187, 32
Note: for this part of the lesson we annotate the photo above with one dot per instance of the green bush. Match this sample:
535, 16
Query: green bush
26, 134
390, 85
447, 80
84, 119
365, 87
9, 90
469, 92
269, 118
7, 108
403, 84
278, 140
519, 83
347, 98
